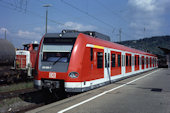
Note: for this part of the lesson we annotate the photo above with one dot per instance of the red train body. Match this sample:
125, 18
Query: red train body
79, 62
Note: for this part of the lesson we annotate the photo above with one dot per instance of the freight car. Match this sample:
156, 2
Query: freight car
79, 61
25, 59
7, 57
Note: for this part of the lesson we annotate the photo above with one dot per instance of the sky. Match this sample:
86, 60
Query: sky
24, 20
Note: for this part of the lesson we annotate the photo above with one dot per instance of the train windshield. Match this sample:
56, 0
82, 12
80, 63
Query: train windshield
57, 50
55, 54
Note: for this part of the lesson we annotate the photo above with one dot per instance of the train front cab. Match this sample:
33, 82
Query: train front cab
53, 61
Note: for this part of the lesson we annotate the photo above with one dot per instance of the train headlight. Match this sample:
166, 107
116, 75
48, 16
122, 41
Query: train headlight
73, 74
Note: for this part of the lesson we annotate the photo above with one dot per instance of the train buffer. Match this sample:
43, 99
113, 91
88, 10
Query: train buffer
145, 93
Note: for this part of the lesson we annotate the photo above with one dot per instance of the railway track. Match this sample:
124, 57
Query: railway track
16, 93
32, 97
6, 83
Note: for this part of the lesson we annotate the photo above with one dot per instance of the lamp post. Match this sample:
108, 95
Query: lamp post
46, 5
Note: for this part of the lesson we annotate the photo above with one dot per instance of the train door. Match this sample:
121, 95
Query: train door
153, 62
143, 63
146, 62
136, 62
123, 63
150, 62
115, 63
133, 62
97, 60
128, 63
107, 58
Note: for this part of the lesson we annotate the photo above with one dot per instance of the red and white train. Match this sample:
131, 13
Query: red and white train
25, 59
80, 61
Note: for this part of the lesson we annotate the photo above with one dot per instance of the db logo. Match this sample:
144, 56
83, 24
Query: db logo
52, 75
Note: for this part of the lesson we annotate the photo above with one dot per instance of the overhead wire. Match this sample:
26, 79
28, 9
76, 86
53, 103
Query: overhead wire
110, 10
97, 19
115, 13
51, 20
86, 13
32, 12
101, 27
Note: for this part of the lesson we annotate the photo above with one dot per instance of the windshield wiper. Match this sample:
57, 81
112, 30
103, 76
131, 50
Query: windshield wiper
57, 60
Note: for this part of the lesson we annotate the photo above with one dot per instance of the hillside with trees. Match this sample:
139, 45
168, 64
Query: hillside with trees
149, 44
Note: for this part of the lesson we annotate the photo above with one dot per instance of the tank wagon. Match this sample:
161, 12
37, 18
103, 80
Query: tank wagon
25, 59
77, 61
7, 57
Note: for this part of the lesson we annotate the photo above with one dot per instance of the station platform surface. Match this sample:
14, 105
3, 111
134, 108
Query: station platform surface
148, 92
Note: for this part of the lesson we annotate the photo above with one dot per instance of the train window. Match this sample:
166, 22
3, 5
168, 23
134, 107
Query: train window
119, 60
56, 56
105, 60
142, 61
99, 60
113, 60
154, 61
122, 60
135, 60
35, 48
130, 60
126, 60
59, 41
91, 54
108, 59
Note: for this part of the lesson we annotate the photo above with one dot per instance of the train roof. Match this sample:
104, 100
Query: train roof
97, 37
75, 33
35, 43
117, 46
27, 45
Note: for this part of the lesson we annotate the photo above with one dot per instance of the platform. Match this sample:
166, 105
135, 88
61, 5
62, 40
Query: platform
145, 93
